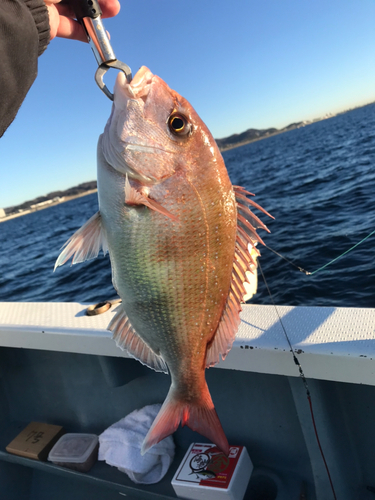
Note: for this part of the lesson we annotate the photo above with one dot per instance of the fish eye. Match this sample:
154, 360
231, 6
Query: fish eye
178, 124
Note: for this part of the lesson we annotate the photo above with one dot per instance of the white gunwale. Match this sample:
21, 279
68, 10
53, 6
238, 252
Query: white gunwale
331, 343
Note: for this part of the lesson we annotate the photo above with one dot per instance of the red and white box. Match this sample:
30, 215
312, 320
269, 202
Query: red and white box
206, 473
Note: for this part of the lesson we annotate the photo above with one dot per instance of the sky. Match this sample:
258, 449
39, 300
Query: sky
240, 63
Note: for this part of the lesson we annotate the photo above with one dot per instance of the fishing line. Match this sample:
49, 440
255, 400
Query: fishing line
308, 273
302, 375
289, 261
350, 249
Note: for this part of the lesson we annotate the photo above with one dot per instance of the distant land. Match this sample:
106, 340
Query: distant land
50, 199
230, 142
253, 134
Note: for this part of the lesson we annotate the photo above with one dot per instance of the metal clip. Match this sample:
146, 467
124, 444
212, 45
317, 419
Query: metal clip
102, 70
103, 52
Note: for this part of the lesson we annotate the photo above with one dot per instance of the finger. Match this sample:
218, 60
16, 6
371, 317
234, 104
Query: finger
110, 8
68, 28
65, 10
54, 20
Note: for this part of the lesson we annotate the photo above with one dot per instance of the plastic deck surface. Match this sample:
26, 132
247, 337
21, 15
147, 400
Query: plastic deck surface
330, 343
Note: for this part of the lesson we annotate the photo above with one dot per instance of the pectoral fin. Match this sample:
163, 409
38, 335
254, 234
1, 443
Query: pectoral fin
134, 197
85, 243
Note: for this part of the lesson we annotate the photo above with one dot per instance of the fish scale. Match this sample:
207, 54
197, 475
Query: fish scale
146, 271
180, 251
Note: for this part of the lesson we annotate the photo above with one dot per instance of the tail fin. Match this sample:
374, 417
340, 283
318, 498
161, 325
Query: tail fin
200, 416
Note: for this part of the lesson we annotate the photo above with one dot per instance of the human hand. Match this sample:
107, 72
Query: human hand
62, 19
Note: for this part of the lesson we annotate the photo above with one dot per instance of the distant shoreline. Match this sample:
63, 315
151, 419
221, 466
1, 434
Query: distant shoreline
234, 146
280, 131
66, 198
290, 127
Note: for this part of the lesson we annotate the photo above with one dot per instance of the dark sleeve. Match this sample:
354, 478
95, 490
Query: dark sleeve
24, 35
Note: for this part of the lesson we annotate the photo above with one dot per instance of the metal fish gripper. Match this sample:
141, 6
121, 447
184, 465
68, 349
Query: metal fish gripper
88, 13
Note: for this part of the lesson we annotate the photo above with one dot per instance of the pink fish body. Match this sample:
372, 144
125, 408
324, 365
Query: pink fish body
180, 238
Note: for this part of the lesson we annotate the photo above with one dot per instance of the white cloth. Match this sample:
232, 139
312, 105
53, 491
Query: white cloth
120, 446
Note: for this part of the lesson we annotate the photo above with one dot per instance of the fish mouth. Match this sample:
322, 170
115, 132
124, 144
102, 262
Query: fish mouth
138, 88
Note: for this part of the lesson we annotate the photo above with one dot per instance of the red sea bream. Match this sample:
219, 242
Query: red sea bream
180, 239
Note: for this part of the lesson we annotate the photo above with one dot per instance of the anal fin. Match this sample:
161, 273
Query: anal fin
85, 244
128, 339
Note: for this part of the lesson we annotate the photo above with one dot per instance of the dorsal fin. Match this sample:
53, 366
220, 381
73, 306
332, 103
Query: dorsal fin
127, 339
244, 277
85, 244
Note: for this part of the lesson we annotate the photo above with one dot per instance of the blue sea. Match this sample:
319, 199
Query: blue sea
318, 182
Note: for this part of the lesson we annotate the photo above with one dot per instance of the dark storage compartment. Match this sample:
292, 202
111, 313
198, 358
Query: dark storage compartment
266, 413
85, 393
